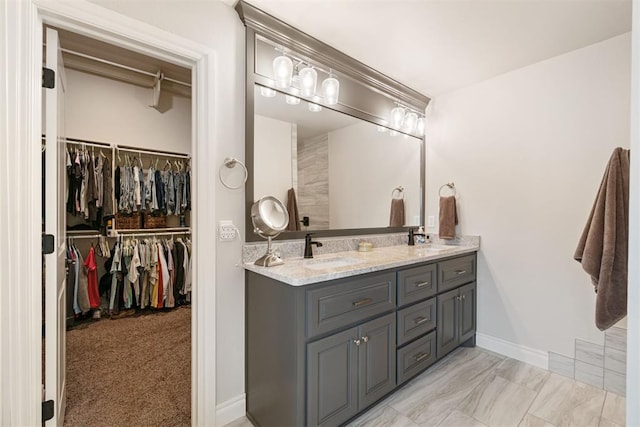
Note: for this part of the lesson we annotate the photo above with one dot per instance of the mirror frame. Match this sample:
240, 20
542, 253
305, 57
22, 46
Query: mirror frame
375, 95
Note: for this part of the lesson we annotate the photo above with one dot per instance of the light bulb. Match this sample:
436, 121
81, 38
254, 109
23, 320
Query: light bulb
292, 100
308, 80
314, 107
331, 90
409, 123
420, 126
282, 71
396, 117
267, 92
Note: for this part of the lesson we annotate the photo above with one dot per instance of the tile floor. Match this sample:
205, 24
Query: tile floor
475, 387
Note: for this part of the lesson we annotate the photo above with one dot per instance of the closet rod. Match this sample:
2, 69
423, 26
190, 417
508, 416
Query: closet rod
83, 236
126, 67
152, 152
168, 233
87, 142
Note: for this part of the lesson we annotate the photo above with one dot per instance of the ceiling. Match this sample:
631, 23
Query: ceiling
439, 46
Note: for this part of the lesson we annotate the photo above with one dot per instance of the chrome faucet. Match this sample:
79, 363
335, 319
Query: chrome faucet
412, 234
308, 249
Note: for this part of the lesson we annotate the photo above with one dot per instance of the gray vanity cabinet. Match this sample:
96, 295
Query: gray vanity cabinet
320, 354
456, 318
348, 371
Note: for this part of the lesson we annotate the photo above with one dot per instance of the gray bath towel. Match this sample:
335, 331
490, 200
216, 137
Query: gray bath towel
292, 210
448, 217
396, 218
602, 249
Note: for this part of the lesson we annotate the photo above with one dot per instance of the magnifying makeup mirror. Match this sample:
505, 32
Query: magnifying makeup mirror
269, 217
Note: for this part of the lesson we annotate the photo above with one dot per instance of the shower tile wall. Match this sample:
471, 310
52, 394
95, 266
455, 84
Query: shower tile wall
603, 366
313, 181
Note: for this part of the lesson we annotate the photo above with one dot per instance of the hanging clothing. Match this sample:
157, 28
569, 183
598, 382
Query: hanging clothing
107, 191
92, 279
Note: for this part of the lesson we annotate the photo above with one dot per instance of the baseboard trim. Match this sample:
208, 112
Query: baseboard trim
519, 352
231, 410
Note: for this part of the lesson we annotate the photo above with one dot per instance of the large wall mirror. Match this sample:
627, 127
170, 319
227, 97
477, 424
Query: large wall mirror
344, 170
344, 161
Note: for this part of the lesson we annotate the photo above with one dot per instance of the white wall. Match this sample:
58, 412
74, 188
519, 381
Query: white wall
360, 194
527, 151
272, 145
217, 26
100, 109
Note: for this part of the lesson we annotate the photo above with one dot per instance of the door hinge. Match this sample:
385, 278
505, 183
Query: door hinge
48, 78
47, 410
47, 244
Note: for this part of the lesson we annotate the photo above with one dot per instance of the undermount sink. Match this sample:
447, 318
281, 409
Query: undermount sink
335, 262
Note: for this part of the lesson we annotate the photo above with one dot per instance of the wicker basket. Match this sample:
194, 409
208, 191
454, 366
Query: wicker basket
154, 221
128, 221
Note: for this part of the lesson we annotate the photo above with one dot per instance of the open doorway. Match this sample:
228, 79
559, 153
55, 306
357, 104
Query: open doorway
126, 138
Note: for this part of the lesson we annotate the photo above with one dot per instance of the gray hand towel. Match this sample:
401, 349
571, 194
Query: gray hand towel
396, 218
292, 210
448, 217
602, 249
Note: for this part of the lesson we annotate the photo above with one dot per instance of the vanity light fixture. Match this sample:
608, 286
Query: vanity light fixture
308, 80
397, 116
267, 92
409, 122
314, 107
420, 126
292, 100
282, 71
331, 89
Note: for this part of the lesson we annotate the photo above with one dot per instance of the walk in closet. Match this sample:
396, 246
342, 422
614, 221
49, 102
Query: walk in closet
127, 143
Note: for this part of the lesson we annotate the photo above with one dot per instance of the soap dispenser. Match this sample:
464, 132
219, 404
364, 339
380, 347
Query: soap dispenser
420, 238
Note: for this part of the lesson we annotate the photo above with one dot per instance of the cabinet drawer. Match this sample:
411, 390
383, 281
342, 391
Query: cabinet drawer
455, 272
415, 320
415, 357
350, 301
415, 284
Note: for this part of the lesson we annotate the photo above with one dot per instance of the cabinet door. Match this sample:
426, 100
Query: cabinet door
448, 336
467, 311
377, 359
332, 379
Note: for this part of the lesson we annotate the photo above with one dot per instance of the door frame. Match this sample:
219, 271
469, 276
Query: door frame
20, 222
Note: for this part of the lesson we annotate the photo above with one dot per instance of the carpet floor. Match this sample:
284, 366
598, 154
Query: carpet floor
134, 371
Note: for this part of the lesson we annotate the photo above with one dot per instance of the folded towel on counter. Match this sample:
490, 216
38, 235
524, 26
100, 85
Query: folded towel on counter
292, 210
603, 247
396, 218
448, 217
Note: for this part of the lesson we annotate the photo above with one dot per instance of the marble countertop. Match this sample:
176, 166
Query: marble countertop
337, 265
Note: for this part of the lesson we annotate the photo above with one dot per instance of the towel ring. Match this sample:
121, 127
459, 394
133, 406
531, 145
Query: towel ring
231, 162
451, 186
400, 190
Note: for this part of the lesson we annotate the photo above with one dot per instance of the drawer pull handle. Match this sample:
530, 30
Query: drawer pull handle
421, 356
421, 284
365, 339
356, 342
361, 302
462, 297
459, 272
420, 320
